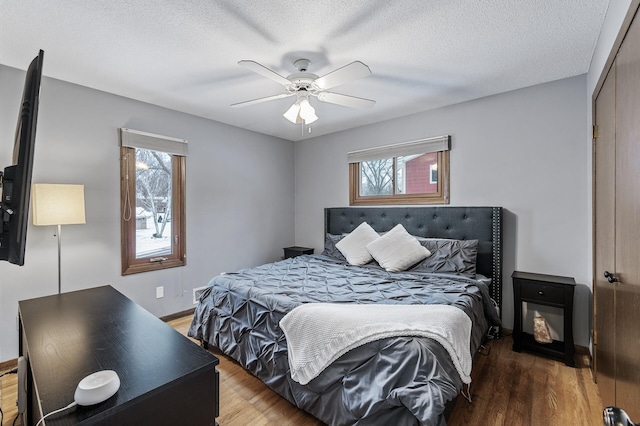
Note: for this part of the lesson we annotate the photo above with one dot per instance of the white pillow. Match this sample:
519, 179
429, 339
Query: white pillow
354, 246
397, 250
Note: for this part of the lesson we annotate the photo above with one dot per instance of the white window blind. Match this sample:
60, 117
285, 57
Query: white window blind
137, 139
421, 146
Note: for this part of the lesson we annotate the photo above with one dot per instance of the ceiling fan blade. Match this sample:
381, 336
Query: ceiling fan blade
349, 72
260, 100
264, 71
345, 100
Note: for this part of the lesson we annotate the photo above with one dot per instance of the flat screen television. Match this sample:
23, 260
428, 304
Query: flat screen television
16, 178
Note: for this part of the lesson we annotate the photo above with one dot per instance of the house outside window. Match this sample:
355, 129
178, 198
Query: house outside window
415, 172
152, 194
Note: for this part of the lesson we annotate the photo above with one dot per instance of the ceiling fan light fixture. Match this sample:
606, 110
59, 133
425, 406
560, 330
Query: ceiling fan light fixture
307, 112
311, 119
292, 113
301, 112
304, 84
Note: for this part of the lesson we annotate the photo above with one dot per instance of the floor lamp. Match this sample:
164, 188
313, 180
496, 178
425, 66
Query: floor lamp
55, 204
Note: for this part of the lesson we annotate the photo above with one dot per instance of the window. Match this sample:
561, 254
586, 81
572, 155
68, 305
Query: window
433, 170
152, 173
415, 172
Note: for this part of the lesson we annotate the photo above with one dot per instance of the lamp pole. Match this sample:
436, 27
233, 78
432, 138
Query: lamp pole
59, 260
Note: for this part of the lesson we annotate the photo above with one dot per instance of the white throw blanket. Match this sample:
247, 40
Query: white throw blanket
319, 333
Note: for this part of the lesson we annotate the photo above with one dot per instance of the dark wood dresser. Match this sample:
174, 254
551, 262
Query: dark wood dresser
166, 379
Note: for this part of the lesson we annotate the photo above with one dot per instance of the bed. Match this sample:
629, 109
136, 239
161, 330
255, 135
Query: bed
400, 380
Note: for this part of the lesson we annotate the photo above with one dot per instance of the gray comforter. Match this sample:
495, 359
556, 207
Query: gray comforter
399, 381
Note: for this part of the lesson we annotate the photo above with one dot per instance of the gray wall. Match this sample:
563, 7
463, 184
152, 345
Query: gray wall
522, 150
239, 198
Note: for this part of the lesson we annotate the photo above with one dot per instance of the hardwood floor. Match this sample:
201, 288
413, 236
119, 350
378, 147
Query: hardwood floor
245, 400
8, 394
508, 389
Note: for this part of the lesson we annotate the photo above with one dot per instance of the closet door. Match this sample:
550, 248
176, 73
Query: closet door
604, 235
627, 216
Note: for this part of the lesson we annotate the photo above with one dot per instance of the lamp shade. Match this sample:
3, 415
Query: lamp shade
292, 114
55, 204
301, 111
307, 112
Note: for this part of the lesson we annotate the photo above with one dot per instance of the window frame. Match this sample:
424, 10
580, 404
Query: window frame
130, 263
398, 150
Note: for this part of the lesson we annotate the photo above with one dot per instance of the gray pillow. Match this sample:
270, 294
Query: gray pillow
449, 256
330, 249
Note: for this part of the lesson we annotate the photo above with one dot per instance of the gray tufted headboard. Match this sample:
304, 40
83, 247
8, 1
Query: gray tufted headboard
460, 223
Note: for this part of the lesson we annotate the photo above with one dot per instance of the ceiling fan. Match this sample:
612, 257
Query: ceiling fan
304, 85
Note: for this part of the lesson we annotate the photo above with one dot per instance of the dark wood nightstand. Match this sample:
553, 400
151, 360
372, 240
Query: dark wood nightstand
294, 251
548, 290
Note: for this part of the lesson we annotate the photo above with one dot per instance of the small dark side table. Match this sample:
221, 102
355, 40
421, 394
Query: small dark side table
548, 290
294, 251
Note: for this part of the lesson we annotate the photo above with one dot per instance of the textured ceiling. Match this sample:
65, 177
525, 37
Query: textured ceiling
183, 54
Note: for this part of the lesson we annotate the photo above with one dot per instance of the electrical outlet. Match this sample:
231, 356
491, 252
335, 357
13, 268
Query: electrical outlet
159, 292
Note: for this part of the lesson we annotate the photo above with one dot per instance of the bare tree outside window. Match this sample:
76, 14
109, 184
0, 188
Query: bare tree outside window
153, 201
376, 177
